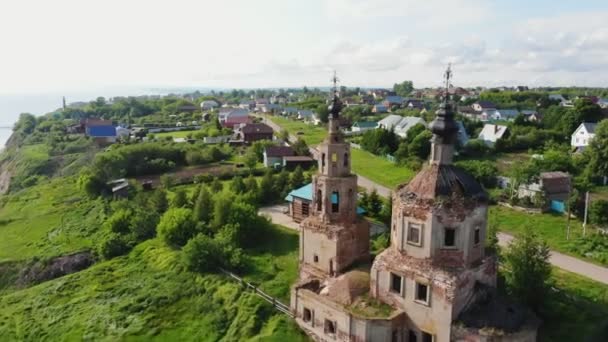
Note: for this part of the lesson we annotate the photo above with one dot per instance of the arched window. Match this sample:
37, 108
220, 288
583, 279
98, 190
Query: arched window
346, 159
335, 202
323, 160
319, 200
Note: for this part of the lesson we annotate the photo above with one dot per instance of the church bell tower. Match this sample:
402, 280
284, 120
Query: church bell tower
333, 237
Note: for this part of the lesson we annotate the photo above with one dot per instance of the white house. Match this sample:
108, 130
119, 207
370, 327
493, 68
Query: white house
209, 104
583, 135
486, 108
362, 126
400, 124
490, 133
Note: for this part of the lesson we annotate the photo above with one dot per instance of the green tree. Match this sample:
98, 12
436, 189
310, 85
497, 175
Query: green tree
203, 206
281, 183
404, 88
300, 147
201, 254
266, 188
119, 222
166, 181
176, 226
237, 185
251, 186
216, 186
143, 224
421, 145
587, 111
92, 185
251, 159
597, 151
527, 260
180, 199
387, 211
297, 178
375, 203
158, 201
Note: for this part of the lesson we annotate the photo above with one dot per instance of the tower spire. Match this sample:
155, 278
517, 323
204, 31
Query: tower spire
444, 127
334, 108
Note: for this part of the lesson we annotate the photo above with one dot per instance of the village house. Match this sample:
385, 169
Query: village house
250, 132
273, 155
305, 115
247, 104
288, 111
187, 108
119, 188
209, 105
435, 281
552, 187
228, 117
486, 109
505, 114
414, 104
400, 124
379, 108
292, 162
362, 126
583, 135
271, 108
391, 101
278, 99
102, 135
490, 133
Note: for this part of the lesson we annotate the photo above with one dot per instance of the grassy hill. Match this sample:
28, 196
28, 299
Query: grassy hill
148, 295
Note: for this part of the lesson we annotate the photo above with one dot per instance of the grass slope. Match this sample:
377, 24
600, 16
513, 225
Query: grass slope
379, 169
47, 220
146, 295
551, 227
578, 312
313, 135
175, 134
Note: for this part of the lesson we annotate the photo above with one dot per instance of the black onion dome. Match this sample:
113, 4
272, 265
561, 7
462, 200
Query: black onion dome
335, 107
444, 126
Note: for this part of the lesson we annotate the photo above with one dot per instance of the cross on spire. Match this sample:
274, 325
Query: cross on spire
334, 81
448, 77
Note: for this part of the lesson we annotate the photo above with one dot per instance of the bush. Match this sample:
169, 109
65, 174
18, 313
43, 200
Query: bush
176, 226
113, 245
598, 212
201, 254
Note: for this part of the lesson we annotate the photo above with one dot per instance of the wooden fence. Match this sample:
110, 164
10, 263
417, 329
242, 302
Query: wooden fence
270, 299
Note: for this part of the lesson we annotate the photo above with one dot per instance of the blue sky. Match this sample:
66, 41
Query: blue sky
68, 45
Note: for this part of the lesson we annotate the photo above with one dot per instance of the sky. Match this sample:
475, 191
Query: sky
78, 45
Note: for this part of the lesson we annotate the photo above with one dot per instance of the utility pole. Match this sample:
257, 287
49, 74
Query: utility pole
586, 211
568, 221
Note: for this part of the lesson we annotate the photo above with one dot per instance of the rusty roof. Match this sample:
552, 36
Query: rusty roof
444, 180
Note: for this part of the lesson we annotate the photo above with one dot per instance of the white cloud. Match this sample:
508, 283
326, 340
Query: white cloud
74, 44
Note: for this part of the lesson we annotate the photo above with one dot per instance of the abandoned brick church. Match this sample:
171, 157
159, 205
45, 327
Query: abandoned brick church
435, 282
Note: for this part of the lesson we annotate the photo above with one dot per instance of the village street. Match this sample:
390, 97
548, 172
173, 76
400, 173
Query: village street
598, 273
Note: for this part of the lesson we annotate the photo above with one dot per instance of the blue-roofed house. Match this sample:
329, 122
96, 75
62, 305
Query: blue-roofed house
506, 114
102, 135
379, 108
362, 126
300, 202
